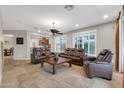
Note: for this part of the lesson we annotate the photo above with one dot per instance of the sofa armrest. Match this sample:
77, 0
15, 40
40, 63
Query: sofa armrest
32, 58
61, 53
84, 57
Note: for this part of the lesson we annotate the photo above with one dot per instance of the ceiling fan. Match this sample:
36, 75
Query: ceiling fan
55, 31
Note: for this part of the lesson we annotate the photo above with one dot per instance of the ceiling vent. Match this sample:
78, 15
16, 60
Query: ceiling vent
69, 7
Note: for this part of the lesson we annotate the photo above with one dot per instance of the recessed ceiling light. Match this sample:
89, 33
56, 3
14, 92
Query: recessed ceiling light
77, 25
105, 16
39, 31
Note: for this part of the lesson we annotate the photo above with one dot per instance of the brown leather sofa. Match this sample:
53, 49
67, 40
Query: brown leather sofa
100, 66
76, 55
38, 54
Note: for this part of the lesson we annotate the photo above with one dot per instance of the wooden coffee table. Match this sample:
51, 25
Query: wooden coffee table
54, 63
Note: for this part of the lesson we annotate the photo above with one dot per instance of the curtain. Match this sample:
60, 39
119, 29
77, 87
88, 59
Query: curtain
117, 44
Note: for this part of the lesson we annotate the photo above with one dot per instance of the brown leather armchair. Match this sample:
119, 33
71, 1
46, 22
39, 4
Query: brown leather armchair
101, 66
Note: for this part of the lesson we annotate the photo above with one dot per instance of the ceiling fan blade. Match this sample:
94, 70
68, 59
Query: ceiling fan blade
60, 33
57, 31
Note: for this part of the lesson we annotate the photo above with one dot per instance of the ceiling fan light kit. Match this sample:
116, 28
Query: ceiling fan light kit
55, 31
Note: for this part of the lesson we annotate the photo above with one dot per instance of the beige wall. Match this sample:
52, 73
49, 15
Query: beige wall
1, 52
9, 43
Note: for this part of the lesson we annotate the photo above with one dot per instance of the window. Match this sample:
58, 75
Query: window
60, 43
77, 41
86, 40
90, 42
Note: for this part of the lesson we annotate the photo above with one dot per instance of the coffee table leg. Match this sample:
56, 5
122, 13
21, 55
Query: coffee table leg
42, 63
54, 69
70, 65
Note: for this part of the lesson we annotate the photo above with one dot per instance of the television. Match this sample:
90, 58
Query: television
19, 40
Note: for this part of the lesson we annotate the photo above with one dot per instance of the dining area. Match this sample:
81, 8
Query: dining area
8, 52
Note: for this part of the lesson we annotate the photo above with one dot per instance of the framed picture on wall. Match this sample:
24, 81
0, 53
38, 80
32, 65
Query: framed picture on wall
19, 40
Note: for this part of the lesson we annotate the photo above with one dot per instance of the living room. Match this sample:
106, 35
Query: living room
35, 35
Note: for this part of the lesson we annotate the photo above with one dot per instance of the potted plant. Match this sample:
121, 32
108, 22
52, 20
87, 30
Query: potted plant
56, 56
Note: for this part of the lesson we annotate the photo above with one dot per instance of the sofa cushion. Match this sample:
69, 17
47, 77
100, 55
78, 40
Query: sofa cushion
81, 50
69, 53
72, 52
105, 56
108, 58
76, 52
66, 52
104, 52
100, 57
75, 58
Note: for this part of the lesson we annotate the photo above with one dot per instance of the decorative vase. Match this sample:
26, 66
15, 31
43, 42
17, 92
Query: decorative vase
55, 59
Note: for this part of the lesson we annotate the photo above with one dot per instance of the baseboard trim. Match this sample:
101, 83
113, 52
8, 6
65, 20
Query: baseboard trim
0, 80
21, 58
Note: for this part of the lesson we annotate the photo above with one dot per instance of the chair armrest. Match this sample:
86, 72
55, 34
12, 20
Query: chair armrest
90, 58
99, 63
99, 66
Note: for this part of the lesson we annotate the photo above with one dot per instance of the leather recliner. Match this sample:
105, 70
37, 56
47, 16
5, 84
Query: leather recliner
101, 66
39, 54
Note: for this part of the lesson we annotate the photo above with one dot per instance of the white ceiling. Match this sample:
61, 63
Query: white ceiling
41, 17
